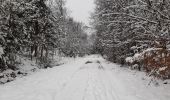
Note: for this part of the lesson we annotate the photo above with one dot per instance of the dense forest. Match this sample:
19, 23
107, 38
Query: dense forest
37, 29
134, 32
84, 49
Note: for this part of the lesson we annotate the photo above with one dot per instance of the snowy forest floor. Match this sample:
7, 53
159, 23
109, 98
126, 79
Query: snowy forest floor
88, 78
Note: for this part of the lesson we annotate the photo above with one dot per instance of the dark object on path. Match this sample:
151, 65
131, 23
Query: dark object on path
47, 66
21, 73
165, 82
13, 75
100, 65
88, 62
98, 62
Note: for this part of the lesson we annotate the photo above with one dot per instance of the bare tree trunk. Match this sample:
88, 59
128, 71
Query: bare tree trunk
42, 49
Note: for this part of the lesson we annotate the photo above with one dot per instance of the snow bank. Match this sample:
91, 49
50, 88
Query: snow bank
28, 67
70, 82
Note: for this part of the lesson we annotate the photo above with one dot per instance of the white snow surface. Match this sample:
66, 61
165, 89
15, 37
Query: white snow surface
79, 81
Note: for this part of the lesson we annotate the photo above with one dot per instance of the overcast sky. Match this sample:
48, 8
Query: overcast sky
80, 9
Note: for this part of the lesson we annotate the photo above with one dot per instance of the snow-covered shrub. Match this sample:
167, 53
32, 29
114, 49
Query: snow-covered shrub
7, 76
10, 75
157, 62
136, 61
129, 60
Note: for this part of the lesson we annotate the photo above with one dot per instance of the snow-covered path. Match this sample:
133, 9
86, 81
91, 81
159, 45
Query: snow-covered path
79, 81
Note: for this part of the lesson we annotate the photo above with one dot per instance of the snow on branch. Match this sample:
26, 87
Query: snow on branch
133, 16
142, 2
142, 7
113, 22
135, 6
159, 12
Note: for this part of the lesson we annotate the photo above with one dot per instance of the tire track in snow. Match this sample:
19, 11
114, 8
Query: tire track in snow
99, 89
90, 90
110, 91
78, 75
86, 88
66, 83
72, 76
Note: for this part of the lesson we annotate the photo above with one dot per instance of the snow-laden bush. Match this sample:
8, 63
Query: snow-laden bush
129, 60
157, 62
135, 62
7, 76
